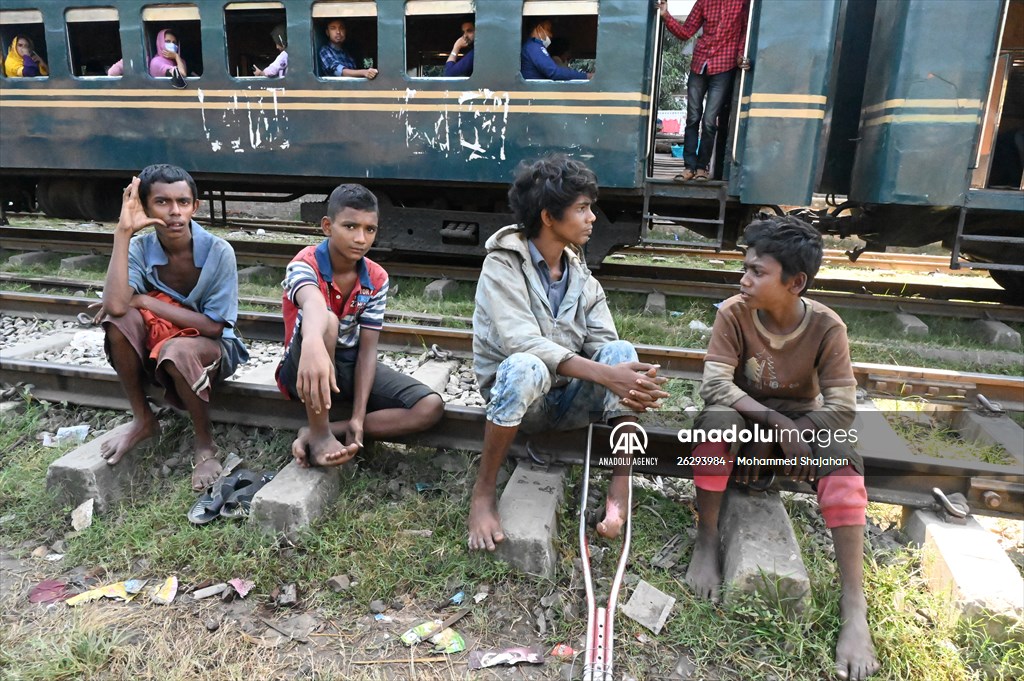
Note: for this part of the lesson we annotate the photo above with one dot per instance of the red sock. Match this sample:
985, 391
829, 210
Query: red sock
712, 477
843, 498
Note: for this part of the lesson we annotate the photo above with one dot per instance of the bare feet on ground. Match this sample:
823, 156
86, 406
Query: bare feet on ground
614, 519
484, 523
855, 652
206, 467
705, 572
325, 450
140, 431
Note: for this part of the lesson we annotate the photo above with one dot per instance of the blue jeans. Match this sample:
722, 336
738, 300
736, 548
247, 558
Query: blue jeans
522, 394
717, 89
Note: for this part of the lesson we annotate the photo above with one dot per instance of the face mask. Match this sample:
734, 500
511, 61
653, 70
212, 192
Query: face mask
170, 47
546, 41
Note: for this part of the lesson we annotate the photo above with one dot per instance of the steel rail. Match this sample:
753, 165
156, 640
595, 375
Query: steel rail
713, 284
939, 385
891, 479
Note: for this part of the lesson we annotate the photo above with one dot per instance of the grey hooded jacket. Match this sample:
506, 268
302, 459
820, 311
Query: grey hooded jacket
513, 314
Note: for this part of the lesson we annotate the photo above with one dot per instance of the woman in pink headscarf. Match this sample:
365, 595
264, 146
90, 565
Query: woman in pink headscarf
167, 59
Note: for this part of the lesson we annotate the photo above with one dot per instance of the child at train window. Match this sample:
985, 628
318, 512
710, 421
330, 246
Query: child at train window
333, 305
170, 303
545, 349
22, 60
279, 67
335, 60
167, 61
778, 366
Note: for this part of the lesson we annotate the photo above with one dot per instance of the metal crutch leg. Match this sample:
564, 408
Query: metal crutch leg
597, 664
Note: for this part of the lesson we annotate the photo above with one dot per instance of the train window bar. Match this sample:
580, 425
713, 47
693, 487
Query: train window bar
94, 42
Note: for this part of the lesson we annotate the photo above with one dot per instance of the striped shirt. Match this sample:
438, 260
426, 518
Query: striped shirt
362, 307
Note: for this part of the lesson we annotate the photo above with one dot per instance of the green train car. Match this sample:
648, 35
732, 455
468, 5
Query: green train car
911, 110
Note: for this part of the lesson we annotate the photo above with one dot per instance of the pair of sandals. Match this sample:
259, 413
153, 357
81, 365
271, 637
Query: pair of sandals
229, 497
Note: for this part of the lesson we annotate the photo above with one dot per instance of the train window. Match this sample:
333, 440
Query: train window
438, 38
255, 32
94, 41
23, 30
563, 39
345, 38
178, 25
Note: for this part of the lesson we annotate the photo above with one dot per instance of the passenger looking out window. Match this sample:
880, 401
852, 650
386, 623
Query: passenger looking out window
455, 67
279, 67
167, 61
23, 61
335, 60
537, 64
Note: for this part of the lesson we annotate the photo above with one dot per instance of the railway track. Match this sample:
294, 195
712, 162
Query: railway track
923, 299
990, 489
952, 387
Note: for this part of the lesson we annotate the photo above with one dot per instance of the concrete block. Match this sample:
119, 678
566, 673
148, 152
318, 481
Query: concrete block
991, 332
655, 304
529, 508
83, 474
967, 562
992, 430
294, 499
247, 274
81, 262
760, 551
33, 258
649, 606
434, 374
910, 325
438, 290
38, 346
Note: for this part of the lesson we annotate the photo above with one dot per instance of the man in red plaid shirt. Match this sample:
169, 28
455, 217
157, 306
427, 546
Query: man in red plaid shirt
718, 54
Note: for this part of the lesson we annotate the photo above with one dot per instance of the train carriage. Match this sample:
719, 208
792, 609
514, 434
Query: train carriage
858, 98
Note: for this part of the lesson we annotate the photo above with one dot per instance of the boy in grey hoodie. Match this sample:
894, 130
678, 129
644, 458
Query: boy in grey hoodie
545, 350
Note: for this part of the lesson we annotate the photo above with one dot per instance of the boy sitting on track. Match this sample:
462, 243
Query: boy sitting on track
333, 304
778, 363
545, 350
170, 302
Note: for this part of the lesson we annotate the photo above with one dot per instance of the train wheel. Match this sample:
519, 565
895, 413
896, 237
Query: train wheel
1012, 282
62, 197
43, 197
99, 200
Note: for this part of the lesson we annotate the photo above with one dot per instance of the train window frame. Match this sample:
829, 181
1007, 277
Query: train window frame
417, 18
358, 13
28, 22
562, 13
174, 16
90, 15
265, 7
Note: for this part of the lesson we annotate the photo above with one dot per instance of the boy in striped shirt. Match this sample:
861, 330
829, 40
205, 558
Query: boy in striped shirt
333, 304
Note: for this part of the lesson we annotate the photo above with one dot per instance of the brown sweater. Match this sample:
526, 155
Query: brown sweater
808, 369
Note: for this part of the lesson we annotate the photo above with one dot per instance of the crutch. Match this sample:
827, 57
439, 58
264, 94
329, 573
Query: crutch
597, 657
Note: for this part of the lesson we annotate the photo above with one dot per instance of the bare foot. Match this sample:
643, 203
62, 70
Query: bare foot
310, 450
705, 572
140, 431
484, 523
614, 518
855, 652
206, 467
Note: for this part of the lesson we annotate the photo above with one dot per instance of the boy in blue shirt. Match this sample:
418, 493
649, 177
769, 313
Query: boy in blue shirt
333, 304
170, 302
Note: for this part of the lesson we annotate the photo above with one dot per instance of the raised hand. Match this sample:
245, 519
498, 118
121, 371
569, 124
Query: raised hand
133, 213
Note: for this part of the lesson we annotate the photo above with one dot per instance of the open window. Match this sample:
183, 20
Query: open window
1001, 148
24, 29
572, 27
433, 29
173, 24
357, 49
94, 41
254, 33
